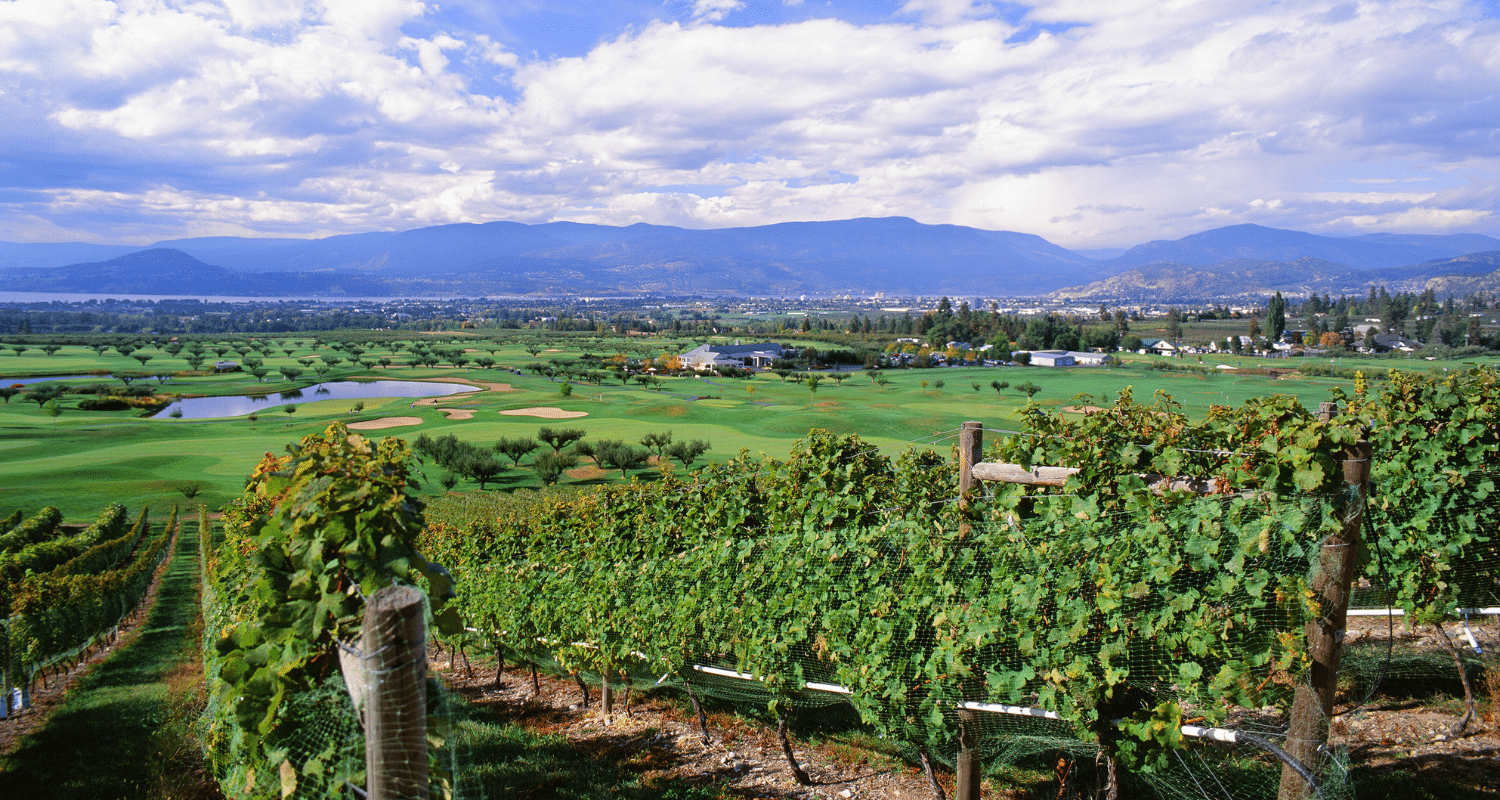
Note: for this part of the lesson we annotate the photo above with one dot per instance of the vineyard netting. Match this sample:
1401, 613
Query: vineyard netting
1100, 623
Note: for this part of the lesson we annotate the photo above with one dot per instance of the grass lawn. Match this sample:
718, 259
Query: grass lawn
82, 460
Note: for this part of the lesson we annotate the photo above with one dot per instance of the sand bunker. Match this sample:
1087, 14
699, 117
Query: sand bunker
545, 412
384, 422
458, 413
496, 387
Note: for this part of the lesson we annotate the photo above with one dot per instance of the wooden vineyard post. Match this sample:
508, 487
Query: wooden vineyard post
395, 646
970, 449
1312, 706
967, 764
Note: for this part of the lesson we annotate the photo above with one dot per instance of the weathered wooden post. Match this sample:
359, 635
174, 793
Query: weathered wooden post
395, 662
967, 764
1312, 705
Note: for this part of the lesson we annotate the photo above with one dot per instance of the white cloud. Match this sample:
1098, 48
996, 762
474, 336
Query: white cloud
714, 10
1108, 124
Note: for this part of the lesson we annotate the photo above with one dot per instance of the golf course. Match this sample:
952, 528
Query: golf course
56, 452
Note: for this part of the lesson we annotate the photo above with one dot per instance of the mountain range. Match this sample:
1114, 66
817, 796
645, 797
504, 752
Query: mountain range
895, 255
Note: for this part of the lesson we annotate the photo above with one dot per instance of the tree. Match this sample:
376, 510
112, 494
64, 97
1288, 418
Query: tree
19, 349
621, 456
589, 450
812, 383
687, 452
43, 393
550, 466
332, 361
1131, 343
51, 349
260, 373
7, 392
52, 409
657, 442
566, 389
482, 467
1275, 317
1174, 323
560, 437
290, 373
516, 448
1029, 389
194, 362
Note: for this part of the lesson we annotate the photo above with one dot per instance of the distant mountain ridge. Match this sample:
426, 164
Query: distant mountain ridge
895, 255
1238, 242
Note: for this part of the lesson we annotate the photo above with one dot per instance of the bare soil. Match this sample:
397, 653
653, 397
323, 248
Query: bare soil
661, 742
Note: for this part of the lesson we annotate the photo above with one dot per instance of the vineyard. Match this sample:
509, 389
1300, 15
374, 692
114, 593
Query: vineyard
1150, 603
62, 594
1161, 633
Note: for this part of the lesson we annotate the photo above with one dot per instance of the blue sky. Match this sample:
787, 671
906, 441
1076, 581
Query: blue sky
1091, 124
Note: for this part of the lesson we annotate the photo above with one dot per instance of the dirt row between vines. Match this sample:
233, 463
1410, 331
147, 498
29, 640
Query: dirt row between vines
660, 741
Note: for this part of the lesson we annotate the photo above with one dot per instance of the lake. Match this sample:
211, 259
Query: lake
239, 405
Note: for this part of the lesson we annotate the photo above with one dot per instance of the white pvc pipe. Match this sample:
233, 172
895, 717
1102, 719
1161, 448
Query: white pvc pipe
1192, 731
1397, 612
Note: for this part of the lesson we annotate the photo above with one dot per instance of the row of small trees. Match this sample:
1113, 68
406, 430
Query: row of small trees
484, 465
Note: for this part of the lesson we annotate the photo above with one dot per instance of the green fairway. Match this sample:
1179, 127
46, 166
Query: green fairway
80, 460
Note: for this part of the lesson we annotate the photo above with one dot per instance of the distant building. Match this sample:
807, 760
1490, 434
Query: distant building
713, 356
1393, 341
1052, 358
226, 366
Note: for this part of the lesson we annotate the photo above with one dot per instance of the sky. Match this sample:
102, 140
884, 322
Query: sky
1092, 124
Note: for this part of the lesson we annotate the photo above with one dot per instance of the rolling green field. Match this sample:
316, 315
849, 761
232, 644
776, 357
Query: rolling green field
80, 460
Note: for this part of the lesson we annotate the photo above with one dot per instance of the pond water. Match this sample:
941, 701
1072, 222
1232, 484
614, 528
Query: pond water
25, 381
239, 405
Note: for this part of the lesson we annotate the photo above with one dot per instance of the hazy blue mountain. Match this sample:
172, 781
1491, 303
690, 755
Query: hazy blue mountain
855, 256
1236, 242
161, 270
23, 255
1252, 279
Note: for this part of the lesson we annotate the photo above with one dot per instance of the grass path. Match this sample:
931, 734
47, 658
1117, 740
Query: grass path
124, 729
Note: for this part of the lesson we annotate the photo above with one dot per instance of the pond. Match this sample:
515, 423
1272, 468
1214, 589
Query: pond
239, 405
28, 381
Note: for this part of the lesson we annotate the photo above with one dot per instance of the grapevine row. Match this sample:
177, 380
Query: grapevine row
40, 559
39, 528
58, 616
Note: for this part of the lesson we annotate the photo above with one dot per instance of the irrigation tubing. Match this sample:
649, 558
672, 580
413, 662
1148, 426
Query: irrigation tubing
1284, 757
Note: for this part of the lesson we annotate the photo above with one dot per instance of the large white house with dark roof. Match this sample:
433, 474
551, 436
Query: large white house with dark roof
712, 356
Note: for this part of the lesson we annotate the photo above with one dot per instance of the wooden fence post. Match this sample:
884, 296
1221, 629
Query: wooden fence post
395, 661
1312, 705
967, 764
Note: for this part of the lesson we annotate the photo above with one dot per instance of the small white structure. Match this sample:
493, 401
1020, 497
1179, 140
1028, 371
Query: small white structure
1090, 359
1052, 358
713, 356
226, 366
